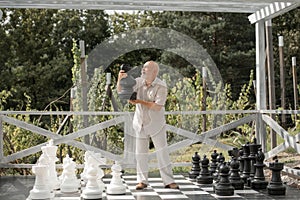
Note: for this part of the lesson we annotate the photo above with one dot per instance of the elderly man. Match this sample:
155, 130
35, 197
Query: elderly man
149, 121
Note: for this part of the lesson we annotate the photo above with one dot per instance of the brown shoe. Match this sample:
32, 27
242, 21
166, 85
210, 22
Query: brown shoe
172, 186
140, 186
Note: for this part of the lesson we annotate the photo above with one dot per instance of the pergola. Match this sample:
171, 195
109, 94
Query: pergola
261, 12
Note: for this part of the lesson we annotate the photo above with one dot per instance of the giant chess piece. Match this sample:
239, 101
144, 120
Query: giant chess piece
234, 177
204, 176
241, 160
92, 158
220, 161
276, 186
224, 187
252, 156
247, 167
233, 153
259, 182
50, 150
41, 188
92, 189
213, 163
195, 171
116, 185
127, 84
44, 161
69, 181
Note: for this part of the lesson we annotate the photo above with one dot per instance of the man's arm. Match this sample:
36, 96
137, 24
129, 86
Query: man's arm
148, 104
121, 75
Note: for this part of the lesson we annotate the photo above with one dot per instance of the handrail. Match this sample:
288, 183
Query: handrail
205, 137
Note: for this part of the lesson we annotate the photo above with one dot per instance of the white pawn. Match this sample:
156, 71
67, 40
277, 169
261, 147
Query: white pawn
92, 189
69, 181
116, 185
40, 189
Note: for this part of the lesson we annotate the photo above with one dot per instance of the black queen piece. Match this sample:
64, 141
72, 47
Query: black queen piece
127, 84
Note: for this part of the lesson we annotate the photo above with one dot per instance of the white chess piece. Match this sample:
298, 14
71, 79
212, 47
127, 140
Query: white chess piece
83, 175
44, 161
50, 151
92, 189
41, 188
116, 185
69, 181
92, 158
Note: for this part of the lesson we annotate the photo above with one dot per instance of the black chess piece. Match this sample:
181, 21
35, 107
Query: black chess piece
204, 176
233, 152
213, 163
220, 160
276, 186
234, 176
195, 167
247, 167
241, 160
224, 187
127, 84
259, 182
252, 156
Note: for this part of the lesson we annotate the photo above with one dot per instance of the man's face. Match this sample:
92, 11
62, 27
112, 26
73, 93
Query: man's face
147, 72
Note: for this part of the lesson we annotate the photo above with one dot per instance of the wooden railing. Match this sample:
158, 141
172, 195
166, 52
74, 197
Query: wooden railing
128, 157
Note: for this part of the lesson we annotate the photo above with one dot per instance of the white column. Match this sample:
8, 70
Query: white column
1, 140
260, 81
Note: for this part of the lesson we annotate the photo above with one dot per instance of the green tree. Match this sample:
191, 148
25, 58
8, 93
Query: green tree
38, 59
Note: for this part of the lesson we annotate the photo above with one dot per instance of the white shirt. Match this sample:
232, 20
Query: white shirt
150, 120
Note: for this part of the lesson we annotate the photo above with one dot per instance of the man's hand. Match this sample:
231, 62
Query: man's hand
133, 102
122, 74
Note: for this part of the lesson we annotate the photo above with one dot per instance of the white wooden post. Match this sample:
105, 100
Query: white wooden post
260, 82
84, 88
129, 141
271, 77
1, 140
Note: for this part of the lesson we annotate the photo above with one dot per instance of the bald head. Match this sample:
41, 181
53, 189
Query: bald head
152, 69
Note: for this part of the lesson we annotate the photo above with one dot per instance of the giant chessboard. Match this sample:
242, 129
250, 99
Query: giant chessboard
189, 189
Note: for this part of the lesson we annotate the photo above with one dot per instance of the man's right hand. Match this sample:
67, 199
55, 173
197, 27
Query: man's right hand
122, 74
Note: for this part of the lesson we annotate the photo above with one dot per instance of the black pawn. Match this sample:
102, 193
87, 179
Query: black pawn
205, 176
195, 171
275, 186
259, 182
220, 161
247, 164
234, 177
213, 164
224, 187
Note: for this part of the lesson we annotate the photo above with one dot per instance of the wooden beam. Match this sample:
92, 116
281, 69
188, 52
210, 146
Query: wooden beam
238, 6
273, 10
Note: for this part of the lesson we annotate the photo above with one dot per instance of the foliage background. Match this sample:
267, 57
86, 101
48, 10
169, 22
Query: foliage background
39, 65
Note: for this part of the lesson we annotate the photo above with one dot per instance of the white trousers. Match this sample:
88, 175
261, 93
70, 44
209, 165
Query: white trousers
164, 163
